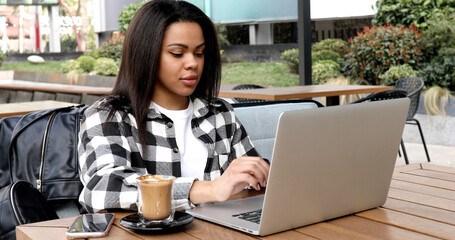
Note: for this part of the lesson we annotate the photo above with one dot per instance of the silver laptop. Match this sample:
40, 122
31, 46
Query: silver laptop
326, 163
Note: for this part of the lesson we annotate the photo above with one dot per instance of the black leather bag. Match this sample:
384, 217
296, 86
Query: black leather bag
41, 148
21, 203
6, 128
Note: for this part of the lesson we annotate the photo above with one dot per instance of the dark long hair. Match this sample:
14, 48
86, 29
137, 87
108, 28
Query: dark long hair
141, 57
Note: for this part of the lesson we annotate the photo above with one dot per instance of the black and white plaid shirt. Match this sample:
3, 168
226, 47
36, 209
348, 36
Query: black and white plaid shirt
111, 157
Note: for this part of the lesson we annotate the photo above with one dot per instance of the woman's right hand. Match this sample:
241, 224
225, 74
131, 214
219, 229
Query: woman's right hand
242, 172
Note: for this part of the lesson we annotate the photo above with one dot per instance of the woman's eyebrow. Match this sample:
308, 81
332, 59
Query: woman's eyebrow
185, 46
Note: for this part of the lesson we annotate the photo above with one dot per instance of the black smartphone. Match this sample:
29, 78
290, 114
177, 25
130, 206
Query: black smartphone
91, 225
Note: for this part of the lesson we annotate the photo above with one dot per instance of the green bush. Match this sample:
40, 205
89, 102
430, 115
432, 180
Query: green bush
2, 57
112, 48
336, 45
326, 55
376, 49
407, 12
441, 34
70, 65
68, 43
127, 14
86, 63
106, 67
324, 70
441, 70
397, 72
95, 53
291, 58
222, 37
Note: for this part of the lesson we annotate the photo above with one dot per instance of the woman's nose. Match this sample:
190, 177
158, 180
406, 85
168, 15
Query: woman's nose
191, 61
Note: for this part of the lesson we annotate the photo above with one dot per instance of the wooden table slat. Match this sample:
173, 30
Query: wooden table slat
329, 231
205, 230
434, 174
428, 190
438, 168
375, 229
420, 210
427, 200
157, 236
119, 233
288, 235
410, 222
61, 223
37, 233
424, 181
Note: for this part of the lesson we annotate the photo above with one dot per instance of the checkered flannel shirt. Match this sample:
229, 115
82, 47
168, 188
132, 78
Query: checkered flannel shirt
111, 157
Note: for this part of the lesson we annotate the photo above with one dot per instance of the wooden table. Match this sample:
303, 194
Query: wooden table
11, 109
420, 205
332, 92
52, 87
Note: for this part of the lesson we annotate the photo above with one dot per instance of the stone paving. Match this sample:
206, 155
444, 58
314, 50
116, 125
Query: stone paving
439, 154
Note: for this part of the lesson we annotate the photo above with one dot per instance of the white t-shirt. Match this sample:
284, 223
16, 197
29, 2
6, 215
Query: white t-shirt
193, 152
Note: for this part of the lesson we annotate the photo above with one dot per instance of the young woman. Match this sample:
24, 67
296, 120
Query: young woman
163, 117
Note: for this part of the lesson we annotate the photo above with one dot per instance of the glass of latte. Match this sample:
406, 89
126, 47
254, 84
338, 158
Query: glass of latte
155, 206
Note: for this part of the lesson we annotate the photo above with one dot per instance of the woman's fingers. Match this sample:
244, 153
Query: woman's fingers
242, 173
254, 166
252, 181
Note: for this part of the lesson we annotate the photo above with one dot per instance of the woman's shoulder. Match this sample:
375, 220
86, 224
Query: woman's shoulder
223, 104
103, 107
218, 105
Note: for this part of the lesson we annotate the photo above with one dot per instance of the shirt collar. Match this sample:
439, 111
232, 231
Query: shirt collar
201, 106
200, 109
154, 113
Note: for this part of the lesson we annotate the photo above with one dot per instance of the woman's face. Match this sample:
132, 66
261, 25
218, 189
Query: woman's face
181, 65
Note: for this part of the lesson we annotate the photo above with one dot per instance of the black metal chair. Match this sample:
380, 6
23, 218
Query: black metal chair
413, 86
386, 95
247, 86
265, 103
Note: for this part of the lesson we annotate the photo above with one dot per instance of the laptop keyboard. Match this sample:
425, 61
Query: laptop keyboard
253, 216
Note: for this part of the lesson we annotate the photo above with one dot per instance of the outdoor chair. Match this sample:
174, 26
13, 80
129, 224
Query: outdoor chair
260, 120
384, 95
247, 86
387, 95
413, 86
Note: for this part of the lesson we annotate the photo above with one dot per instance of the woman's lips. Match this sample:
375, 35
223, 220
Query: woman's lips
189, 80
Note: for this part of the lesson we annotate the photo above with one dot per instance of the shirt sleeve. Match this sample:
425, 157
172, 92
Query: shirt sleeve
104, 159
107, 174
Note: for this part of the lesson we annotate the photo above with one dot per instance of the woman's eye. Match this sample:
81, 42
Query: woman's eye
199, 54
176, 54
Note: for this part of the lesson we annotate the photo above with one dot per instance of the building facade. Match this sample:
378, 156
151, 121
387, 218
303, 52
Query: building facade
330, 18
